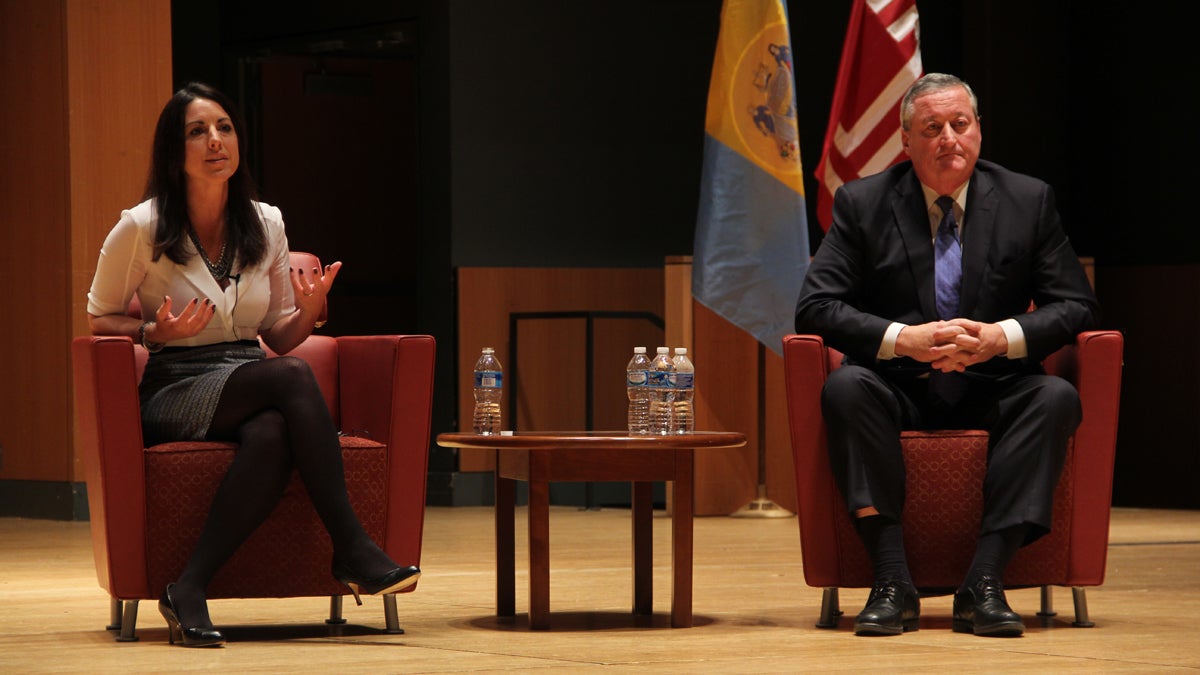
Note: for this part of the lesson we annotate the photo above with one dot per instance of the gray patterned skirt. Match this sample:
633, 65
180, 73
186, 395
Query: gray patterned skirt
182, 385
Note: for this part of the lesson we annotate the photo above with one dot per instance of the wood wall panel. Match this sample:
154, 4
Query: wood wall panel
731, 397
34, 227
677, 273
550, 389
1158, 437
77, 120
116, 89
551, 352
726, 360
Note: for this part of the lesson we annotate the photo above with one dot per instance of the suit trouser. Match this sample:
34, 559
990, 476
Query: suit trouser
1029, 419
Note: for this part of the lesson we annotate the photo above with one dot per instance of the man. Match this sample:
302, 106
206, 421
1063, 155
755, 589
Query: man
923, 282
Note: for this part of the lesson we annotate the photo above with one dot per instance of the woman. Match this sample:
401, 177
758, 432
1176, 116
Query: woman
207, 378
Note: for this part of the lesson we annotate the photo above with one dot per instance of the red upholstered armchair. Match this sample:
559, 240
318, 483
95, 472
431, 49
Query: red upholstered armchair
944, 487
148, 504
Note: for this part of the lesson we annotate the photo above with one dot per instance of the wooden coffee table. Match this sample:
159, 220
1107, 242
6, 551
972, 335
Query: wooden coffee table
539, 457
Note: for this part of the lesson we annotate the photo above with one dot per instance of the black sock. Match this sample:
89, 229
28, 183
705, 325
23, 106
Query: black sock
993, 553
884, 540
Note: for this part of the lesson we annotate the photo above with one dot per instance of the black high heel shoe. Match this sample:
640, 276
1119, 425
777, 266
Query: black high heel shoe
395, 580
192, 636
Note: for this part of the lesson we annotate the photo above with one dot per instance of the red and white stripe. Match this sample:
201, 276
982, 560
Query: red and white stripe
881, 58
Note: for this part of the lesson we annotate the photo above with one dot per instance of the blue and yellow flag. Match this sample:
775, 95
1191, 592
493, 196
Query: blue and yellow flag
751, 248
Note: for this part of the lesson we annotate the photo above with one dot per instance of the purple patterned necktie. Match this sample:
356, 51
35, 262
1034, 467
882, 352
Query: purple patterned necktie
947, 265
947, 261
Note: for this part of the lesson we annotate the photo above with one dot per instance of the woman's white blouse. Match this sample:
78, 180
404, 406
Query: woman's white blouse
257, 296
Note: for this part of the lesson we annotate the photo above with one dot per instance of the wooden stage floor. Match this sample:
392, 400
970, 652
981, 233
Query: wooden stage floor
753, 612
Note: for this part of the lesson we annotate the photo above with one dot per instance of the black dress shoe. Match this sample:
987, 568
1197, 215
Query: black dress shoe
982, 609
892, 608
188, 636
395, 580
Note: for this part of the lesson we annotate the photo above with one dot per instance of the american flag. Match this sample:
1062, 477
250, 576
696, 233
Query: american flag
880, 60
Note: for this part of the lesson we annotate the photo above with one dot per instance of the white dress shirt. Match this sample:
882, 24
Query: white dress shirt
256, 297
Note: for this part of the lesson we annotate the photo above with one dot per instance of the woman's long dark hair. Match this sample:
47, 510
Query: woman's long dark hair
167, 184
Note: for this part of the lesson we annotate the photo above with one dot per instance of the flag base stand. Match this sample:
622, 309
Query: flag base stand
762, 507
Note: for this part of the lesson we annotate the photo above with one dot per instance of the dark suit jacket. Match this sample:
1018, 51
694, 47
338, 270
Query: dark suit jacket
875, 266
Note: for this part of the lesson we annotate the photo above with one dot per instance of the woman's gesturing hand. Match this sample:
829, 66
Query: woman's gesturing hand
194, 317
311, 286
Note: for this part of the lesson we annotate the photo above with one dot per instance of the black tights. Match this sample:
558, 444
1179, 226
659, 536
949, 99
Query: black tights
274, 410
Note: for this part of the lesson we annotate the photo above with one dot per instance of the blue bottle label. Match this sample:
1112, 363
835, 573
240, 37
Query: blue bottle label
658, 378
635, 378
489, 379
684, 380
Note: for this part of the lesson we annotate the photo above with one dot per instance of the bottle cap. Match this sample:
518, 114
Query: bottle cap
664, 350
489, 350
680, 350
639, 350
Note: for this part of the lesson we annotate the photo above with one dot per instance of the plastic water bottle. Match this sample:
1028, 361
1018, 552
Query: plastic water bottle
684, 378
662, 397
489, 387
637, 385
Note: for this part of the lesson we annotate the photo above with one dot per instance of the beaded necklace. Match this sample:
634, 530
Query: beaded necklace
220, 269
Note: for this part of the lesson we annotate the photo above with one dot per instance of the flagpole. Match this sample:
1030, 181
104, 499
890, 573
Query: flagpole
762, 506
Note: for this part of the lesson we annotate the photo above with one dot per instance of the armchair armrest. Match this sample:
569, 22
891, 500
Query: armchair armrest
806, 366
1094, 365
109, 436
387, 391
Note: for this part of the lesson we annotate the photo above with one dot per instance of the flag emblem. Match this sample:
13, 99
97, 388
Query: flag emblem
773, 108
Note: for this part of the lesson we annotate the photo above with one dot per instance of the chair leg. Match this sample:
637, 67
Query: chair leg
114, 614
123, 614
1081, 610
335, 610
1047, 610
389, 615
830, 610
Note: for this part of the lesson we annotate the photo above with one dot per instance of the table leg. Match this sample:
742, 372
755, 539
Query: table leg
681, 541
643, 548
506, 570
539, 540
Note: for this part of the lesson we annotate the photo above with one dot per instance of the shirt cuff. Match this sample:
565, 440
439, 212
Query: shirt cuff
1017, 349
887, 349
